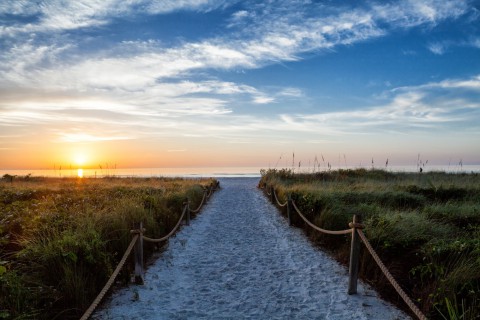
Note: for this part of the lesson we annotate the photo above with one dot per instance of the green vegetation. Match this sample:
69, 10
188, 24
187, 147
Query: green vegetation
425, 227
61, 238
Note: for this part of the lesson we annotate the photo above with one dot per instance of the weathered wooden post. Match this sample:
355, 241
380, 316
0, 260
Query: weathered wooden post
354, 254
289, 209
187, 213
138, 254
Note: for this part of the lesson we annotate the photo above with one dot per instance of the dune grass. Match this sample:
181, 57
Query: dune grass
61, 238
425, 226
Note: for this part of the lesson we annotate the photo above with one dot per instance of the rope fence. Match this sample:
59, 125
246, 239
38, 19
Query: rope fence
145, 238
390, 278
200, 205
357, 234
110, 281
317, 228
276, 199
136, 244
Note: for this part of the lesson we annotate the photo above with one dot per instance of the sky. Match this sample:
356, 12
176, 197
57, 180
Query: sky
192, 83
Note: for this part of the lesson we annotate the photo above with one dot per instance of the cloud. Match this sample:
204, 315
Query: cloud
239, 16
33, 66
58, 15
260, 99
441, 107
17, 62
166, 6
274, 34
472, 83
291, 92
425, 107
283, 31
440, 48
84, 137
411, 13
437, 48
475, 42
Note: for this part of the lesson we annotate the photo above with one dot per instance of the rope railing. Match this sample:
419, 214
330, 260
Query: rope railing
278, 201
200, 205
356, 230
186, 211
206, 195
346, 231
110, 281
185, 207
137, 244
390, 278
213, 188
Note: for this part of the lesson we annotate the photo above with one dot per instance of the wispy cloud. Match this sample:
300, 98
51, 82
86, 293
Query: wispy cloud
273, 35
57, 15
84, 137
290, 92
165, 6
472, 84
262, 99
411, 13
419, 108
437, 48
475, 42
441, 47
440, 107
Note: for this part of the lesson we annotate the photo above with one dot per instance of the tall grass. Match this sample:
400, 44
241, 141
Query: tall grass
61, 238
425, 226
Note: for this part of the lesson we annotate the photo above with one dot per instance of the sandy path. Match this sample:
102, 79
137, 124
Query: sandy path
239, 259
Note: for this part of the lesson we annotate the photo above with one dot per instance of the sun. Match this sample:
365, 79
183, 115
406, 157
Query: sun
80, 159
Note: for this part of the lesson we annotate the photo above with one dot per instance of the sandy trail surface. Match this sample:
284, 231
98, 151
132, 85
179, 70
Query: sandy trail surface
239, 259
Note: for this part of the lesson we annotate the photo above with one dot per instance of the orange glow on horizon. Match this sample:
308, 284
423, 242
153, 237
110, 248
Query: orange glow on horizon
104, 156
44, 152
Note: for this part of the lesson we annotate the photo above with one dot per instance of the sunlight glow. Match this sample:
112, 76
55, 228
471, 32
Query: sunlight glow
80, 173
80, 159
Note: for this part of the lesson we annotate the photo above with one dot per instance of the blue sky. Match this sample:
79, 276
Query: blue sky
231, 83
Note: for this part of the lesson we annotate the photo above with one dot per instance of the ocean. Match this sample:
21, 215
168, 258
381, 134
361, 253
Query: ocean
209, 171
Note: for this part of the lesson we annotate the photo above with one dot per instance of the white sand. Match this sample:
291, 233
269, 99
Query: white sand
239, 259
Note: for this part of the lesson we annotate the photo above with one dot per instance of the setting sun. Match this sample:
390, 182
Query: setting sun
80, 159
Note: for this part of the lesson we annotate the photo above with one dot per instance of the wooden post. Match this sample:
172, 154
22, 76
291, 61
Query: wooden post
289, 208
354, 256
187, 214
272, 196
138, 254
